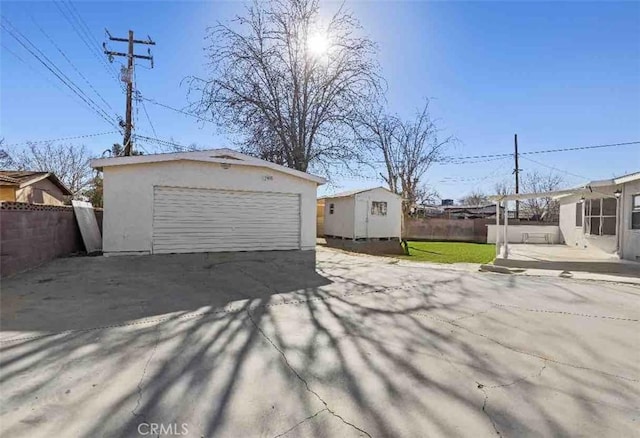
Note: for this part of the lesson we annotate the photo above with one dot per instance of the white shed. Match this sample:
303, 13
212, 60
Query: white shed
363, 214
205, 201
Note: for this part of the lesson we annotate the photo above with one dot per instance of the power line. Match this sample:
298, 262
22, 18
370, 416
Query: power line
162, 142
96, 54
155, 102
72, 64
454, 160
92, 41
556, 169
144, 107
576, 148
32, 68
59, 74
51, 63
65, 138
491, 175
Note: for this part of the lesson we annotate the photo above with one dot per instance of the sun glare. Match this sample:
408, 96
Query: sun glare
318, 44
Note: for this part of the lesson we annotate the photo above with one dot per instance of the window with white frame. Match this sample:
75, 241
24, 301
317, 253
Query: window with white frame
635, 212
378, 208
600, 216
331, 207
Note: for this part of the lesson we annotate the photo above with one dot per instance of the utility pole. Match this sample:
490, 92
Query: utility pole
128, 78
516, 171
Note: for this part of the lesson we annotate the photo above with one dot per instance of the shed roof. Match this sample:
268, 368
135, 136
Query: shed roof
228, 156
355, 192
24, 178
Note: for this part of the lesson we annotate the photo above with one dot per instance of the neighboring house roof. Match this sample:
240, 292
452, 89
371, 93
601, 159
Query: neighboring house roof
24, 178
8, 181
355, 192
469, 207
487, 209
228, 156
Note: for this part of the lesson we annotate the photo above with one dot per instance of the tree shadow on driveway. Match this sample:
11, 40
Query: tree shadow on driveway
84, 292
365, 348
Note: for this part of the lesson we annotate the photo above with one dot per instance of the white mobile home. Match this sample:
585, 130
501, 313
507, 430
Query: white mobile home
363, 214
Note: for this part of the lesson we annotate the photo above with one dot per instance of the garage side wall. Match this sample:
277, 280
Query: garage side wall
128, 197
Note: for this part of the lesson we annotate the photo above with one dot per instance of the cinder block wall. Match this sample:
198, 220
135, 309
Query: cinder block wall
461, 230
31, 235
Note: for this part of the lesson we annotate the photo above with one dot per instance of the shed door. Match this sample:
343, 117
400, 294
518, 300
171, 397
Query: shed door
204, 220
361, 218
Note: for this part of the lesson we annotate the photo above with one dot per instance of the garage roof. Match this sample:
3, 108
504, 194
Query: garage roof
223, 156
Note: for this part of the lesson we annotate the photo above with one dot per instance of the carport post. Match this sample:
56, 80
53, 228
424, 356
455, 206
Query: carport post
497, 228
505, 254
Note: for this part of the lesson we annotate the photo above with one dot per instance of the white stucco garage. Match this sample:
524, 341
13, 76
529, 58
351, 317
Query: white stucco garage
205, 201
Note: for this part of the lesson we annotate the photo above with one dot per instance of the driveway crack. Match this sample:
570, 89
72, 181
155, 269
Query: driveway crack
310, 417
522, 379
140, 388
303, 380
484, 408
521, 351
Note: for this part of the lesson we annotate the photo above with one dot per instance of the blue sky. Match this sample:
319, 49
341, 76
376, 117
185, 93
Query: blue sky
560, 74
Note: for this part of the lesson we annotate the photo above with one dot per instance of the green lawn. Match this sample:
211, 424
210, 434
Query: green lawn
450, 252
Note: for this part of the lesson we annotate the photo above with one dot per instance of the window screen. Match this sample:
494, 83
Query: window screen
600, 216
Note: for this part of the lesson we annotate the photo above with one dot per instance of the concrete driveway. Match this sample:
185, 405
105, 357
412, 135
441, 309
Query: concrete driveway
203, 346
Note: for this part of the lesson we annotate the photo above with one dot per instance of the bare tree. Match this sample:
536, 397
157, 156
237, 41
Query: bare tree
475, 198
503, 188
545, 208
6, 161
408, 149
69, 162
289, 82
380, 133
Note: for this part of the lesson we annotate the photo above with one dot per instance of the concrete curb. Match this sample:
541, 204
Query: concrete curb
574, 275
497, 269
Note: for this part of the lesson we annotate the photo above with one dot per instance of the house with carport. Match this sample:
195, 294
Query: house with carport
599, 221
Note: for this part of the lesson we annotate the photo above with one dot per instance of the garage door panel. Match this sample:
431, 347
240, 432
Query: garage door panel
202, 220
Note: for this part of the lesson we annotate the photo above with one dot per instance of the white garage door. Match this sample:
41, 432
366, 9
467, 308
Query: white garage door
203, 220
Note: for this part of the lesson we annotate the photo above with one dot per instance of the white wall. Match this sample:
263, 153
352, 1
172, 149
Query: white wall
128, 197
574, 235
340, 223
515, 233
376, 226
630, 239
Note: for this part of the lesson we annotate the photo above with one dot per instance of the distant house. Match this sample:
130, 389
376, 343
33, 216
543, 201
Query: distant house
363, 214
32, 187
469, 211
